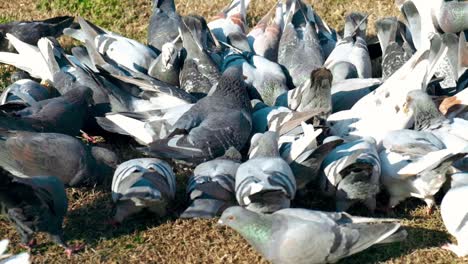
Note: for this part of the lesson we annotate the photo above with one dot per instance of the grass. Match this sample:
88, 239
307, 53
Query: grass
146, 239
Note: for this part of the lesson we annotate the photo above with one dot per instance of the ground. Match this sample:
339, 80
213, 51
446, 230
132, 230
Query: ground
147, 239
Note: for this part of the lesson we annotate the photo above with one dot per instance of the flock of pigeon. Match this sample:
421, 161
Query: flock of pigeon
264, 115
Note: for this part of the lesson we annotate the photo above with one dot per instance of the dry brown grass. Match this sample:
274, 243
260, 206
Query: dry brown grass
146, 239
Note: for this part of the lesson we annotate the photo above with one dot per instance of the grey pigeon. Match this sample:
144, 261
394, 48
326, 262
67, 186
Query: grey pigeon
299, 48
265, 36
415, 163
352, 49
394, 54
36, 204
65, 114
352, 172
232, 19
213, 124
142, 184
428, 118
199, 72
164, 24
454, 212
265, 183
24, 93
166, 67
31, 31
300, 236
211, 189
26, 154
450, 16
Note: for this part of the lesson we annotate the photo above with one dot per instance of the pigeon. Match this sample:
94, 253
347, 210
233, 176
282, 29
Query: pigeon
265, 76
211, 188
26, 154
346, 93
24, 93
415, 163
65, 114
164, 24
450, 16
166, 67
265, 183
302, 236
22, 258
199, 72
139, 184
299, 48
428, 118
394, 53
231, 19
124, 51
454, 213
352, 172
265, 36
312, 95
31, 31
386, 102
36, 204
213, 124
352, 49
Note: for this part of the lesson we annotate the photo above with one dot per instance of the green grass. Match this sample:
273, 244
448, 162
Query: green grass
147, 239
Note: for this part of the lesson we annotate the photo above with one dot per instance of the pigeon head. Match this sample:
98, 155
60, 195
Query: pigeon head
232, 154
321, 79
237, 217
355, 23
170, 55
356, 183
343, 70
232, 85
19, 75
264, 145
106, 162
424, 110
80, 93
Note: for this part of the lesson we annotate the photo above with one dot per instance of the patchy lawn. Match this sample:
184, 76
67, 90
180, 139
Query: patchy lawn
146, 239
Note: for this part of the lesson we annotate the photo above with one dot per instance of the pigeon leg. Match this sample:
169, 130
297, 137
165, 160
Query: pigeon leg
69, 250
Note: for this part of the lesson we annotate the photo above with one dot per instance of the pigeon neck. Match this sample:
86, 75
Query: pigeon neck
426, 115
258, 232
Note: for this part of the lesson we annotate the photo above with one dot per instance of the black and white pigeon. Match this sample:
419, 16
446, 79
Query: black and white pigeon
129, 53
31, 31
212, 125
299, 48
415, 164
164, 24
211, 188
394, 53
351, 54
24, 93
64, 114
36, 204
199, 72
301, 236
145, 183
27, 154
454, 212
265, 183
352, 174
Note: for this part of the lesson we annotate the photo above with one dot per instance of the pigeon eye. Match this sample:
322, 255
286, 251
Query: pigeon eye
231, 218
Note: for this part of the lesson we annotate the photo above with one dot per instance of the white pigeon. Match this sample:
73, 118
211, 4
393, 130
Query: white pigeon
22, 258
454, 211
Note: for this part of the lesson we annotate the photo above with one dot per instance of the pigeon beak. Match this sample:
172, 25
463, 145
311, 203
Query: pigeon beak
405, 108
